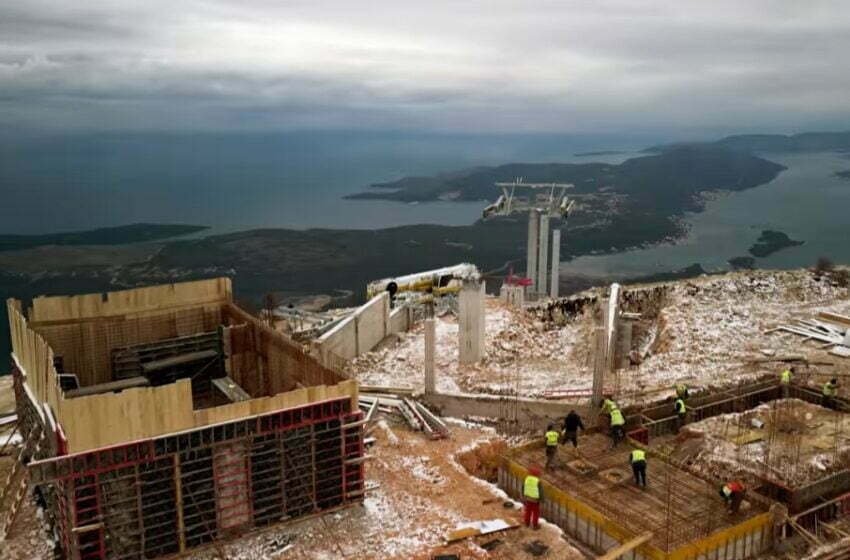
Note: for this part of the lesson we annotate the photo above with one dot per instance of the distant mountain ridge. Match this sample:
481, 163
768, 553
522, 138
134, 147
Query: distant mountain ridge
119, 235
778, 143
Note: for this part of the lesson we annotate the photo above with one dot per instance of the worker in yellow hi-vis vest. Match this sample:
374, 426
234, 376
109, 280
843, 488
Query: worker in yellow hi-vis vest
552, 437
532, 493
785, 379
618, 427
637, 459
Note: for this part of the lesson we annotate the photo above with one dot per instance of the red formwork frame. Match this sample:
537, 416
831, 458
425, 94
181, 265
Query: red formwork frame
77, 478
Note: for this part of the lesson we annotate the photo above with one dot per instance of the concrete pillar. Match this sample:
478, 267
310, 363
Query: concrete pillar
430, 351
556, 263
531, 252
624, 343
470, 322
599, 355
542, 268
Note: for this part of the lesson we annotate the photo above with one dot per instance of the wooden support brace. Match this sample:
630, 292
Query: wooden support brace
615, 553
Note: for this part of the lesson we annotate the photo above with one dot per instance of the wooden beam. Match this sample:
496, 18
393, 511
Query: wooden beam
111, 387
615, 553
231, 389
835, 318
181, 359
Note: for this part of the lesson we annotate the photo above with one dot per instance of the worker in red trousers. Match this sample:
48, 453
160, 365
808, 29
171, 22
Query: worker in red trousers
733, 494
532, 493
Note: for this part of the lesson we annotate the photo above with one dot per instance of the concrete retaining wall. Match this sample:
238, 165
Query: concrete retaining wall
371, 320
340, 341
362, 331
530, 413
400, 320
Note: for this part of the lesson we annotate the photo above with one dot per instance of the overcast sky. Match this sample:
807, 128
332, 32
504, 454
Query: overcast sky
561, 66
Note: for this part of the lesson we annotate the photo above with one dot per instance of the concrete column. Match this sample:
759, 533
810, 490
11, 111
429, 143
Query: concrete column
430, 351
471, 322
556, 263
542, 268
624, 343
599, 355
531, 251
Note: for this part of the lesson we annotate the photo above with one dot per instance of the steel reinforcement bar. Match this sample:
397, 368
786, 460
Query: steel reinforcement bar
601, 533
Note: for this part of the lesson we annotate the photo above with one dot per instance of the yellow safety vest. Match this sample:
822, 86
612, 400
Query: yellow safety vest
828, 389
608, 405
551, 439
617, 417
785, 377
680, 407
638, 455
531, 488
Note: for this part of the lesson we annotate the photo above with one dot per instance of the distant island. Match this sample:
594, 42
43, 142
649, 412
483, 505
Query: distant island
601, 153
770, 242
776, 143
666, 182
843, 174
120, 235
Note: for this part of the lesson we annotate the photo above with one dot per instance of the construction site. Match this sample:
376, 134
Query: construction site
168, 422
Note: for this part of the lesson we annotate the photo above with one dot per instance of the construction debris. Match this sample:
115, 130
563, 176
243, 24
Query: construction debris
477, 528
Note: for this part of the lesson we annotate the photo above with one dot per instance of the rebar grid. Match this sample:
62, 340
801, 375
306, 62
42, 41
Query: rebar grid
676, 506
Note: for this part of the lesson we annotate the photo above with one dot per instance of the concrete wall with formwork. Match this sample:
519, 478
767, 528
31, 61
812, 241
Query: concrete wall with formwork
99, 420
166, 495
584, 517
143, 472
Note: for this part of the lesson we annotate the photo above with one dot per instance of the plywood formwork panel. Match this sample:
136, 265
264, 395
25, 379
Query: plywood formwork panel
137, 300
96, 421
86, 347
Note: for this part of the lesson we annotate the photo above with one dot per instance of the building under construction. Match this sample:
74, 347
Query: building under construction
679, 516
161, 419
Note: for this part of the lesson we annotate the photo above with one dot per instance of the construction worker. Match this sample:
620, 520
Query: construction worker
618, 427
681, 391
552, 437
572, 424
830, 389
532, 492
608, 405
733, 493
637, 458
785, 380
681, 411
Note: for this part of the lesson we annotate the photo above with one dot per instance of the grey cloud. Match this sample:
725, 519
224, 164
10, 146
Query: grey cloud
550, 66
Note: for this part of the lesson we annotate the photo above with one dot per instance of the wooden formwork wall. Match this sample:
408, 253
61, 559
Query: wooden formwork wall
264, 362
129, 302
96, 421
166, 495
86, 346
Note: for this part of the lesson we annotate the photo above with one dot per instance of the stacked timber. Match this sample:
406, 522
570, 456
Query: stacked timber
415, 414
